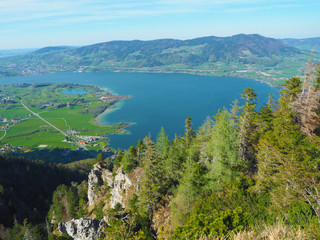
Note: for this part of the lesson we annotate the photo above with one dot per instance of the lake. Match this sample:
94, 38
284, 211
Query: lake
74, 91
158, 99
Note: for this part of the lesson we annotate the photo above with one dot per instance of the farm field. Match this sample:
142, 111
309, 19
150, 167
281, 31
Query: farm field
71, 108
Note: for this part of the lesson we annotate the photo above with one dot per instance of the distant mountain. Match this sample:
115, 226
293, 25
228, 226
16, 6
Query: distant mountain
303, 44
14, 52
190, 52
240, 55
52, 49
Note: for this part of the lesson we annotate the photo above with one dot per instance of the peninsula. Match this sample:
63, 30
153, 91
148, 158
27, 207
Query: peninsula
47, 115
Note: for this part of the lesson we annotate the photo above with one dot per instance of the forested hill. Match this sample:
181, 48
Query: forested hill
304, 44
212, 48
240, 55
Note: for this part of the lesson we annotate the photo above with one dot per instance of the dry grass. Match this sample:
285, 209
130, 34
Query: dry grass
277, 231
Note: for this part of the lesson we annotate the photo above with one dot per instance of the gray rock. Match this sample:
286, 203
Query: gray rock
81, 229
95, 178
122, 187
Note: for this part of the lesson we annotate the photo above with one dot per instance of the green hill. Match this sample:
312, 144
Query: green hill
252, 56
304, 44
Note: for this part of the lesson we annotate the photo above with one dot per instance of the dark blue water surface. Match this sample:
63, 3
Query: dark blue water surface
158, 99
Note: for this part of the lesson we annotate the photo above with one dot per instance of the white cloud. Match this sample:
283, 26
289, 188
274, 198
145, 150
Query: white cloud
55, 11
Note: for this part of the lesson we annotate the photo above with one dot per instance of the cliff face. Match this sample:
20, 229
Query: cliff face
83, 229
122, 186
98, 175
111, 188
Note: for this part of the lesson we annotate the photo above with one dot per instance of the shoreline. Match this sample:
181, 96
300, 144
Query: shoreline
196, 72
106, 111
110, 109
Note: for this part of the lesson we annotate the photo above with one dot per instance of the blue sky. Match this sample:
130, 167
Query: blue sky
40, 23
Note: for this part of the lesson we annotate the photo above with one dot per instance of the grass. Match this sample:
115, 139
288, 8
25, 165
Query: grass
278, 231
34, 131
16, 111
33, 140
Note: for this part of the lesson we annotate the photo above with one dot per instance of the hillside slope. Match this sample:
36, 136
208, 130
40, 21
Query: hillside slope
240, 55
304, 44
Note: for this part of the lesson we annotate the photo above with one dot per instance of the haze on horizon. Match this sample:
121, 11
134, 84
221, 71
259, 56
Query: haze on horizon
40, 23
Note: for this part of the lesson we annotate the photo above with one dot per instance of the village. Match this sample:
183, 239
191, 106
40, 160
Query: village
5, 123
24, 103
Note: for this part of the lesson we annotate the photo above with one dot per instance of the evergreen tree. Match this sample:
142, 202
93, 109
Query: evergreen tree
153, 183
247, 128
189, 132
100, 157
162, 144
205, 131
223, 151
189, 189
118, 159
139, 149
288, 161
265, 116
292, 88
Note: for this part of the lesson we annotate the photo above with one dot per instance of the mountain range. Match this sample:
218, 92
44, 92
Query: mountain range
241, 55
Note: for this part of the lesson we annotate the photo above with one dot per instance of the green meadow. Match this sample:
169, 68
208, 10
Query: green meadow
77, 112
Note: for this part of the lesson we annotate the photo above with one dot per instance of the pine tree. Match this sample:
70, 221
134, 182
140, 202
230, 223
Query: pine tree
162, 144
189, 189
247, 128
189, 132
118, 159
292, 88
265, 116
153, 183
128, 162
288, 162
223, 151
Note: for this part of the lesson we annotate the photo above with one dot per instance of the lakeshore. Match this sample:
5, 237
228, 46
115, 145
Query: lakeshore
158, 100
66, 113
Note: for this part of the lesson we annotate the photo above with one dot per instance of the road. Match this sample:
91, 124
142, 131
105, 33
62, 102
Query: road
5, 133
37, 115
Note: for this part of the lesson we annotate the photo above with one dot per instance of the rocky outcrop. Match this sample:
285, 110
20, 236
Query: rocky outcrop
122, 186
98, 175
83, 228
103, 185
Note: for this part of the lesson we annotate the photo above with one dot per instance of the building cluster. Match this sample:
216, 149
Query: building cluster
9, 148
71, 132
7, 123
88, 139
106, 149
5, 99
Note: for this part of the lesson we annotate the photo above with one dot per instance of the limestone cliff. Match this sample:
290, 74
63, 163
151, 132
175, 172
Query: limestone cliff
122, 186
108, 188
96, 178
83, 228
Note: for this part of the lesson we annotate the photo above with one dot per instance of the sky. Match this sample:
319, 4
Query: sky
41, 23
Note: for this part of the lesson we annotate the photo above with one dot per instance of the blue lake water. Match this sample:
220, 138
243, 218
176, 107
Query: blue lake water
158, 99
74, 91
